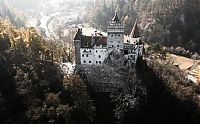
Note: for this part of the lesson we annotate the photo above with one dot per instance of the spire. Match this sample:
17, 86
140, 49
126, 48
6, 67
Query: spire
116, 18
135, 31
78, 34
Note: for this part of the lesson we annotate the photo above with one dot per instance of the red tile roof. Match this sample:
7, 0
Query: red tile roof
87, 41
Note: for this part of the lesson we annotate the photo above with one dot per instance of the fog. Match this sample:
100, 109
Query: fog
31, 4
24, 4
51, 18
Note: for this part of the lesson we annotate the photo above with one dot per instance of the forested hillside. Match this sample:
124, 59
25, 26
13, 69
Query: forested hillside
172, 23
33, 87
36, 87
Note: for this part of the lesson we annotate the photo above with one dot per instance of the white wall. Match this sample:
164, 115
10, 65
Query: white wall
134, 40
100, 55
86, 56
93, 56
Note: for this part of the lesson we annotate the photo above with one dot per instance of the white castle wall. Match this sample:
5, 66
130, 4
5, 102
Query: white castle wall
86, 56
134, 40
100, 54
93, 56
97, 55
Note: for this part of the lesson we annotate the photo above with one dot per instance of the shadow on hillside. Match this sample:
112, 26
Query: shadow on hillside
11, 106
162, 107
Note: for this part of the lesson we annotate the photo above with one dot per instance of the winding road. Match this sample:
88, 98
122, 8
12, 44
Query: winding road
52, 17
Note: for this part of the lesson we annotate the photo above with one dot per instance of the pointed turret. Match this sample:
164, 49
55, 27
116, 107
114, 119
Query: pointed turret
78, 35
135, 31
116, 18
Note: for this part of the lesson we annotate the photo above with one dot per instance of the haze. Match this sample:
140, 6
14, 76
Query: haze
30, 4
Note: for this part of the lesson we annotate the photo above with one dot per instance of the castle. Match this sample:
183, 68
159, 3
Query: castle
94, 49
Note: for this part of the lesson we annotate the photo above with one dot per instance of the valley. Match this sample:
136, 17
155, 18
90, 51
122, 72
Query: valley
99, 62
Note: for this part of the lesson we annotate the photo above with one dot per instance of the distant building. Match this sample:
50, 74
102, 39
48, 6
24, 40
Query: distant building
94, 49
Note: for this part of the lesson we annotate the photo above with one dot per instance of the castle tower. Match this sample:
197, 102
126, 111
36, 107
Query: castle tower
136, 39
134, 36
77, 44
115, 39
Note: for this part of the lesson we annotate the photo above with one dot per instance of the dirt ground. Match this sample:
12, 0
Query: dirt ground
186, 64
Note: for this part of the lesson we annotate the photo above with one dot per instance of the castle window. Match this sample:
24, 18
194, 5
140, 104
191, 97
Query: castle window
84, 61
119, 35
96, 51
111, 35
87, 55
117, 45
126, 52
82, 55
90, 51
89, 61
99, 62
99, 56
112, 45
